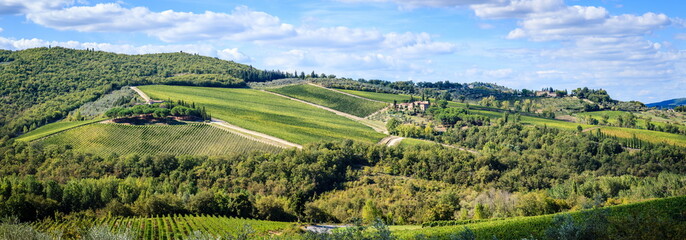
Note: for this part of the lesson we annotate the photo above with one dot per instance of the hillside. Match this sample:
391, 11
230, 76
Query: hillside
270, 114
42, 85
168, 160
325, 97
189, 139
668, 103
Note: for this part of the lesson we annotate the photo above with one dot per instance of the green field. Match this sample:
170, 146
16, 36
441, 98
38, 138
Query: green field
166, 227
270, 114
411, 142
640, 123
643, 214
341, 102
192, 139
384, 97
52, 129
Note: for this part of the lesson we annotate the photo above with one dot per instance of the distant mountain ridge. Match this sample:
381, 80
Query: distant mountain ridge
668, 103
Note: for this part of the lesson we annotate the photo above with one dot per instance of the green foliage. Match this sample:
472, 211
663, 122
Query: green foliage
658, 219
266, 113
370, 212
179, 109
42, 85
195, 139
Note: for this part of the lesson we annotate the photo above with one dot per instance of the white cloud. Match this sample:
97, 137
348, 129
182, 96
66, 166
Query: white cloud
515, 8
202, 49
234, 55
488, 74
27, 6
416, 45
410, 4
680, 36
170, 26
577, 21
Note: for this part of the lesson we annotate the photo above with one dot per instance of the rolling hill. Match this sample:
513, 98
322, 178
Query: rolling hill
188, 139
270, 114
668, 103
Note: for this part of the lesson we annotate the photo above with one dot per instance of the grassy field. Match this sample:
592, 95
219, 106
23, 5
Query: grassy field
53, 128
640, 123
341, 102
384, 97
644, 214
411, 142
266, 113
192, 139
166, 227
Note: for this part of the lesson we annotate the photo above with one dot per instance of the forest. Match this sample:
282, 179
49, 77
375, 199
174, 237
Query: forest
546, 170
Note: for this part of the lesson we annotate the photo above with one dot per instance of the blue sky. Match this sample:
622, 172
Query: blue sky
634, 49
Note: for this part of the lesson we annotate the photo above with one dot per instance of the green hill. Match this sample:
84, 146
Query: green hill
269, 114
42, 85
338, 101
657, 219
189, 139
671, 103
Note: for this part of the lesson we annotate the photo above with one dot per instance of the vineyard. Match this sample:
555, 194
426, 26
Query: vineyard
384, 97
164, 227
341, 102
53, 128
192, 139
269, 114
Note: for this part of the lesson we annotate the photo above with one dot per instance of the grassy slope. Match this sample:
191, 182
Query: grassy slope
411, 142
384, 97
341, 102
273, 115
52, 129
646, 135
191, 139
524, 227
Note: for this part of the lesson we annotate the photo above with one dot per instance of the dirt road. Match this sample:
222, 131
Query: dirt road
257, 136
142, 94
379, 127
391, 141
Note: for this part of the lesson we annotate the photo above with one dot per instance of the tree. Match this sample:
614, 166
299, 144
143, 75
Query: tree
370, 212
392, 124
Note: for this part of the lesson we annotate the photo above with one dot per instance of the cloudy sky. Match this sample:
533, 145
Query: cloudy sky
634, 49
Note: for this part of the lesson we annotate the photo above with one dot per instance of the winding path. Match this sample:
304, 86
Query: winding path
253, 135
391, 140
145, 97
379, 127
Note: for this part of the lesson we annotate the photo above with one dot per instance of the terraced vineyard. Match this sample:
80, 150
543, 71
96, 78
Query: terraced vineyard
269, 114
341, 102
166, 227
193, 139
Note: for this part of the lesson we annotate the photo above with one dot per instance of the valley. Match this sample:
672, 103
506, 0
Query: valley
215, 155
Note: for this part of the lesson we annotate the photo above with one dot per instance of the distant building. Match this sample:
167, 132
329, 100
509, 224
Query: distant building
417, 106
